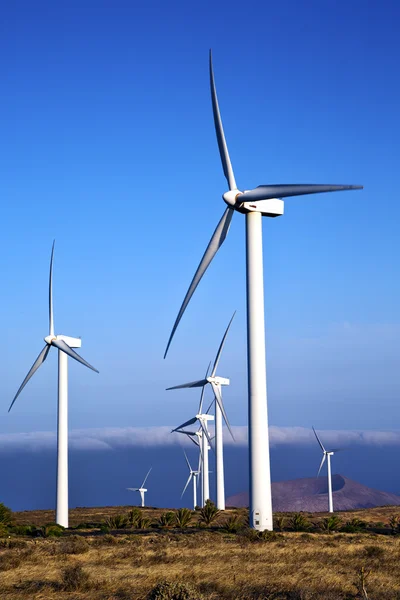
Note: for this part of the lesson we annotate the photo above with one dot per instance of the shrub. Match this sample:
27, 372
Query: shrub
74, 577
353, 526
117, 522
298, 522
183, 516
394, 524
6, 515
3, 530
133, 516
374, 551
174, 591
143, 523
53, 530
233, 524
167, 519
209, 513
280, 523
330, 524
74, 544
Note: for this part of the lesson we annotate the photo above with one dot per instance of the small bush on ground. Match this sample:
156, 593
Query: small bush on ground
143, 523
74, 577
183, 516
354, 526
394, 524
280, 523
74, 544
174, 591
6, 515
299, 522
233, 524
209, 513
330, 524
117, 522
167, 519
133, 516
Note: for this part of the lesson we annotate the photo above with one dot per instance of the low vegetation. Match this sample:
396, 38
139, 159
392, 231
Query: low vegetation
122, 553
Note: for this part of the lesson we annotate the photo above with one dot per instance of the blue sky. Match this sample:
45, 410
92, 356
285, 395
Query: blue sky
108, 145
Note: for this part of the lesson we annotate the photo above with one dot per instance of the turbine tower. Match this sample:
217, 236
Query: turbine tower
142, 490
64, 345
216, 384
327, 456
193, 475
264, 200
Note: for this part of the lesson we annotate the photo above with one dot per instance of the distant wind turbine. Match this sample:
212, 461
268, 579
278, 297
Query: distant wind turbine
142, 490
327, 456
264, 200
193, 475
64, 345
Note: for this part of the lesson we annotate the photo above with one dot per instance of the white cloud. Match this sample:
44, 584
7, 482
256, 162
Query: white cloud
123, 437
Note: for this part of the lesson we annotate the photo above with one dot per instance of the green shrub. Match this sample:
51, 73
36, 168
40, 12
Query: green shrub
6, 515
167, 519
280, 523
354, 526
74, 577
143, 523
174, 591
233, 524
183, 516
394, 524
133, 516
299, 522
209, 513
3, 530
117, 522
330, 524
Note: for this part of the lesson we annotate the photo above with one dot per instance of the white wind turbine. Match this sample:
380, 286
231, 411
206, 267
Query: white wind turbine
265, 200
216, 384
327, 456
142, 490
64, 345
197, 438
193, 475
204, 443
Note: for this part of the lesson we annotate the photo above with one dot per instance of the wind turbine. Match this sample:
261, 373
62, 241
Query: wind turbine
193, 475
142, 490
327, 456
216, 384
64, 345
264, 200
204, 442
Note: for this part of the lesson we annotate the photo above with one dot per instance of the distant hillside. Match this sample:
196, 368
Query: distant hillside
311, 495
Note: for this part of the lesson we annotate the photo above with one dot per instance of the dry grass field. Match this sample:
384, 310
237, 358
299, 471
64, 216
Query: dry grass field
201, 562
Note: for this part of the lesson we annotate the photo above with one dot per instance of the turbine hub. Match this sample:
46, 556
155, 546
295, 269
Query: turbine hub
49, 338
231, 197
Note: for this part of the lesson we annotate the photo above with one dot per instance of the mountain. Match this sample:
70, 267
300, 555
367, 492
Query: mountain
311, 495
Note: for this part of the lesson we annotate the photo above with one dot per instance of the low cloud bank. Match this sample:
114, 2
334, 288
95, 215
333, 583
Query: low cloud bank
123, 437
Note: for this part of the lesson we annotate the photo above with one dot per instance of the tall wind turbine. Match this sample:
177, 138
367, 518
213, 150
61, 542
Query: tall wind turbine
216, 384
64, 345
142, 490
193, 475
264, 200
327, 456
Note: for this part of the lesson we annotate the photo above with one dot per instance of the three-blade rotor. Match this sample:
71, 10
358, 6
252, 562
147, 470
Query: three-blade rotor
236, 199
51, 340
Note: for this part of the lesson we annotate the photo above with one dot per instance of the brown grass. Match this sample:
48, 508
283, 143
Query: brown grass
296, 566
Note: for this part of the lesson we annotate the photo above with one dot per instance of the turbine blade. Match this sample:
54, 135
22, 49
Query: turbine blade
187, 461
51, 319
133, 489
187, 483
207, 434
214, 245
218, 398
219, 130
266, 192
336, 450
319, 441
144, 481
209, 408
202, 390
63, 346
221, 347
40, 359
190, 422
191, 384
322, 462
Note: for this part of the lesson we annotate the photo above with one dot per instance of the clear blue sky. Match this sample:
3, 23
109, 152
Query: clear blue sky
108, 145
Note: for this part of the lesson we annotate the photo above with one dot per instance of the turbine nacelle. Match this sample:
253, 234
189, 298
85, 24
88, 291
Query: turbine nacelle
271, 207
72, 342
204, 417
218, 380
